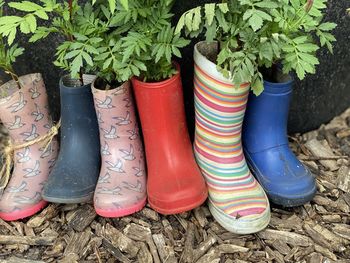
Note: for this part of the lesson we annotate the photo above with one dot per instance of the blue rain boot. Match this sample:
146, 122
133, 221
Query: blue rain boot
285, 179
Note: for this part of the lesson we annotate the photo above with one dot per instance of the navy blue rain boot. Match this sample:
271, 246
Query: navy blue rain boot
74, 176
285, 179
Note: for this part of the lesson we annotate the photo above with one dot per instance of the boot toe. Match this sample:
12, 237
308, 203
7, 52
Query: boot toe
59, 191
285, 179
173, 199
108, 206
294, 192
246, 224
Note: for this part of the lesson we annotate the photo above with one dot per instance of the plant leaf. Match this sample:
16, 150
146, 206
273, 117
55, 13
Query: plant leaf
209, 13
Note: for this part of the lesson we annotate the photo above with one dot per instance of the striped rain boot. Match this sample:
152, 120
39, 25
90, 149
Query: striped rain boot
236, 200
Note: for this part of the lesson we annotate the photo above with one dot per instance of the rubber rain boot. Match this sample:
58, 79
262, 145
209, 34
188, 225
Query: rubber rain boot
285, 179
74, 176
121, 188
175, 184
25, 114
236, 200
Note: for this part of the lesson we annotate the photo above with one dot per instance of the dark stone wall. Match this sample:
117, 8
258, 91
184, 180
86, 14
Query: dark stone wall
316, 100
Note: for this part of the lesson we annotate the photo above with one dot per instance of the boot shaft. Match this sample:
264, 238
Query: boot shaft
162, 114
116, 106
219, 105
78, 116
25, 111
267, 113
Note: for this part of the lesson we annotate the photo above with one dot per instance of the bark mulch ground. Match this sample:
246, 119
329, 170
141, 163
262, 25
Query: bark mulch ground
316, 232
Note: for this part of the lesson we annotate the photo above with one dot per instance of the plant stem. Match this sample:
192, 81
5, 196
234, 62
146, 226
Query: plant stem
13, 76
81, 79
70, 4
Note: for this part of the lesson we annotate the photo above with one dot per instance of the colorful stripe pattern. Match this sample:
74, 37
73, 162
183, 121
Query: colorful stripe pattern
220, 109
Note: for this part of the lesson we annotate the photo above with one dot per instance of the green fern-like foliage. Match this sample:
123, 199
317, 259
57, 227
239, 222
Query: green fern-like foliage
10, 25
259, 33
113, 4
8, 54
152, 38
114, 39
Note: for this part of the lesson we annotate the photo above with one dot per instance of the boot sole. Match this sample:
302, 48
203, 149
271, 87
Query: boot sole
292, 201
241, 225
171, 211
23, 213
122, 212
279, 199
80, 199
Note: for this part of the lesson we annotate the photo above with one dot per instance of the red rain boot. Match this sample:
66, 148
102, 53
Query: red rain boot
175, 184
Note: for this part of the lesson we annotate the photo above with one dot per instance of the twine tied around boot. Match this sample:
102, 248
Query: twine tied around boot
9, 150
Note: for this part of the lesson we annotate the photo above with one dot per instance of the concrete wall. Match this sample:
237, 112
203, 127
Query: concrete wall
316, 100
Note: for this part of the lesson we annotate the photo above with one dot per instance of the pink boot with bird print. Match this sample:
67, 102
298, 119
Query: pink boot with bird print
32, 148
121, 188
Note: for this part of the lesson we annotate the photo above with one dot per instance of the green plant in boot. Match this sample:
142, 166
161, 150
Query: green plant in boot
79, 25
8, 55
255, 34
162, 44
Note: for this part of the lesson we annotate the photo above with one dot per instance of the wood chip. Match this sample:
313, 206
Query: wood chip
27, 240
319, 150
342, 230
153, 250
150, 214
343, 179
77, 243
212, 256
144, 255
188, 252
280, 246
200, 216
331, 218
119, 240
19, 260
343, 133
115, 251
204, 247
325, 251
137, 232
274, 255
166, 253
48, 213
315, 258
287, 237
82, 217
324, 237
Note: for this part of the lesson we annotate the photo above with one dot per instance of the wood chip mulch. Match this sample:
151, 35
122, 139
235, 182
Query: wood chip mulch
316, 232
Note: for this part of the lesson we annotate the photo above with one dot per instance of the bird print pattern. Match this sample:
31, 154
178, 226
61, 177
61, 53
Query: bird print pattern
123, 176
25, 115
